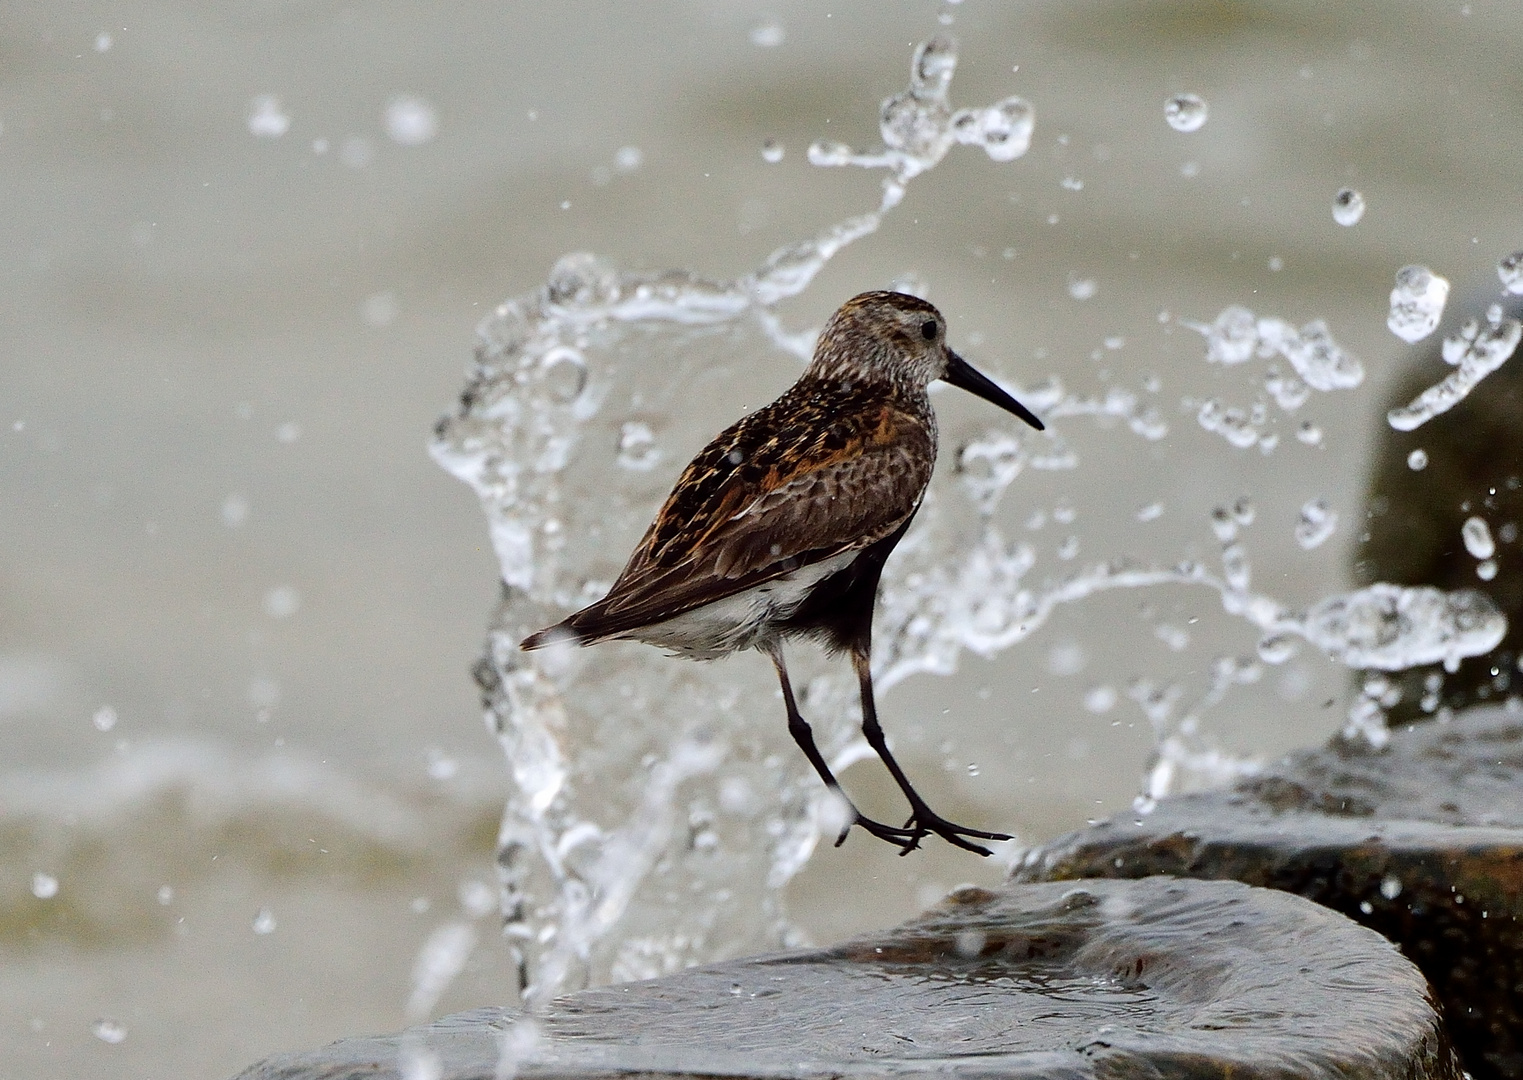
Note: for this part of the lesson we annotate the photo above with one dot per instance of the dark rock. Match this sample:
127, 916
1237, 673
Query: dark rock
1101, 979
1422, 841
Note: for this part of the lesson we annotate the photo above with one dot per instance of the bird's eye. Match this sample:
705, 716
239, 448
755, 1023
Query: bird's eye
928, 330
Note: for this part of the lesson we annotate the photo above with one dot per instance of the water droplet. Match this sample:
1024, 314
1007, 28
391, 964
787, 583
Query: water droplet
1066, 658
1390, 888
410, 121
1510, 270
1318, 522
772, 151
1366, 907
628, 159
44, 886
1417, 303
1100, 699
288, 432
1276, 648
235, 510
1310, 434
1486, 570
282, 602
264, 921
637, 446
266, 118
972, 768
356, 151
109, 1031
103, 41
104, 718
1069, 548
1475, 352
1082, 288
379, 310
1348, 206
1151, 512
768, 35
166, 895
1185, 112
1072, 183
1477, 537
1417, 460
1190, 170
825, 153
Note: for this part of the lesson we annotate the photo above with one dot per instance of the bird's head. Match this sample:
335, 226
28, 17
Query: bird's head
902, 339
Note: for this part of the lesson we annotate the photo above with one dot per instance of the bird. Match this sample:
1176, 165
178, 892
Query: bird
780, 527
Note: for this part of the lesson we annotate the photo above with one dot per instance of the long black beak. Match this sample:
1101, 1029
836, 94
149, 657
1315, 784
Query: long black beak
965, 376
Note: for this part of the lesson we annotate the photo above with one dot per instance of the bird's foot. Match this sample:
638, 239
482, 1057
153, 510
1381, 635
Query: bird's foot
906, 839
924, 821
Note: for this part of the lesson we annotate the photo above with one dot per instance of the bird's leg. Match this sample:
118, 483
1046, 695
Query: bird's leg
799, 728
922, 818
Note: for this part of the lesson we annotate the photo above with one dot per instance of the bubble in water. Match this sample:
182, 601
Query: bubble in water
1477, 536
1100, 699
109, 1031
1082, 288
104, 718
44, 886
411, 121
1486, 570
768, 35
1185, 112
772, 151
264, 921
1348, 206
1417, 460
1318, 522
1390, 887
282, 602
1417, 303
1510, 270
267, 119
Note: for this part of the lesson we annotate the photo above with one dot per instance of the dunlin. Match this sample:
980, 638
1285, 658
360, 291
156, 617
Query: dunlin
781, 526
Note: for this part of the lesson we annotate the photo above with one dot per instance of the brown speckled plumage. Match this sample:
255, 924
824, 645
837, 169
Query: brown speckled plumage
780, 526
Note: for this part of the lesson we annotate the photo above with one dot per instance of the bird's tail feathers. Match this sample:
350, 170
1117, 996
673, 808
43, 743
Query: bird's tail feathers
553, 635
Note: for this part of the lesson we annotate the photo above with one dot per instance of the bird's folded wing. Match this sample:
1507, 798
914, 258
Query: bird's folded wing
746, 534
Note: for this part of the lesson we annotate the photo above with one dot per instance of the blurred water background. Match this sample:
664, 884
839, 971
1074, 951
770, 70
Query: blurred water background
244, 776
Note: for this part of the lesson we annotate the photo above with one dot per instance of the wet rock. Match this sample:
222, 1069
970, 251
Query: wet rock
1422, 841
1099, 979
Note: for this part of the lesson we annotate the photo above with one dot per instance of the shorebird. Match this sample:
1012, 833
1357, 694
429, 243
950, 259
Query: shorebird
780, 528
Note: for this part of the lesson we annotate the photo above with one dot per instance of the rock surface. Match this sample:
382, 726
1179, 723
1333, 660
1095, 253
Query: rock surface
1099, 979
1422, 841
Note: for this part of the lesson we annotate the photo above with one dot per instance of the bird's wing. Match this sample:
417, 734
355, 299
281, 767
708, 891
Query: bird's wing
762, 501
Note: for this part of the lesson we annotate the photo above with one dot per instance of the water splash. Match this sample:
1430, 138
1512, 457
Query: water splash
1417, 303
646, 791
918, 125
1476, 351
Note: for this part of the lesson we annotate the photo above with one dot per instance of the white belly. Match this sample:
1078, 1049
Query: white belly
740, 621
